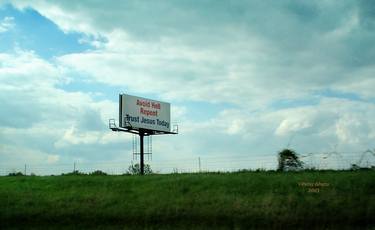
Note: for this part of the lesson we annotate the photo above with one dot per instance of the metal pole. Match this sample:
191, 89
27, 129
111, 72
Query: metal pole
199, 159
25, 170
74, 167
141, 135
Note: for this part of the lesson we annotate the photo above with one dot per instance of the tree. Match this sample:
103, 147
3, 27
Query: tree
289, 160
136, 169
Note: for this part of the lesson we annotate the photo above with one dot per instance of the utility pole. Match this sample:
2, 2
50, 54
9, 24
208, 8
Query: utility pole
74, 167
199, 160
25, 170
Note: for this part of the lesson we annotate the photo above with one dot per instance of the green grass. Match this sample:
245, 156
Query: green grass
200, 201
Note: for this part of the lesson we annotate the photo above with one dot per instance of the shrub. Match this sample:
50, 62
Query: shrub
74, 173
15, 174
244, 170
98, 173
136, 169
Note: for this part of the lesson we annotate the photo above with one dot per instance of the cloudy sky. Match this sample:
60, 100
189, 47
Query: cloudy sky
245, 78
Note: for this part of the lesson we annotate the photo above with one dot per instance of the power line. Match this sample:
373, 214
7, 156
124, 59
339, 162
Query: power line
320, 160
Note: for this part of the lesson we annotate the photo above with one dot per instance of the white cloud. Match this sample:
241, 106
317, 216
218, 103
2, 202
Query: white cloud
25, 68
339, 121
19, 155
312, 128
37, 117
6, 24
288, 126
53, 158
349, 24
114, 137
353, 129
73, 137
360, 82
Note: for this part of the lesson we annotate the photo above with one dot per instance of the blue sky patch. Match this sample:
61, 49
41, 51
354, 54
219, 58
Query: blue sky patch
344, 95
338, 94
34, 32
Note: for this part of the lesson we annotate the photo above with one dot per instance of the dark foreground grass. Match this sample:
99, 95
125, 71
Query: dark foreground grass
319, 200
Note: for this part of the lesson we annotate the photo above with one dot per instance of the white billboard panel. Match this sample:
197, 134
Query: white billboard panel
143, 113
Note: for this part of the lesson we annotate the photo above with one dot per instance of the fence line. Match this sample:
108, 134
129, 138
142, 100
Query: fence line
324, 160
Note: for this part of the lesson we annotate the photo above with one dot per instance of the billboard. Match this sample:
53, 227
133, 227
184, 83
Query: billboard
143, 113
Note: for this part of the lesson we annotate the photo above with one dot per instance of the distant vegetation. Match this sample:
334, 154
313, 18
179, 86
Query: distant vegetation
242, 200
288, 160
78, 173
16, 174
98, 173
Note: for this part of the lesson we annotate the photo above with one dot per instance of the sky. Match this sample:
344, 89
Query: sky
245, 79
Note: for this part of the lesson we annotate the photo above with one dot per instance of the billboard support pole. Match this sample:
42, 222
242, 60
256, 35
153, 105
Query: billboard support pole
141, 136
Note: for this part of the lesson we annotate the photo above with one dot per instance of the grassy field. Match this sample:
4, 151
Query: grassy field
319, 200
